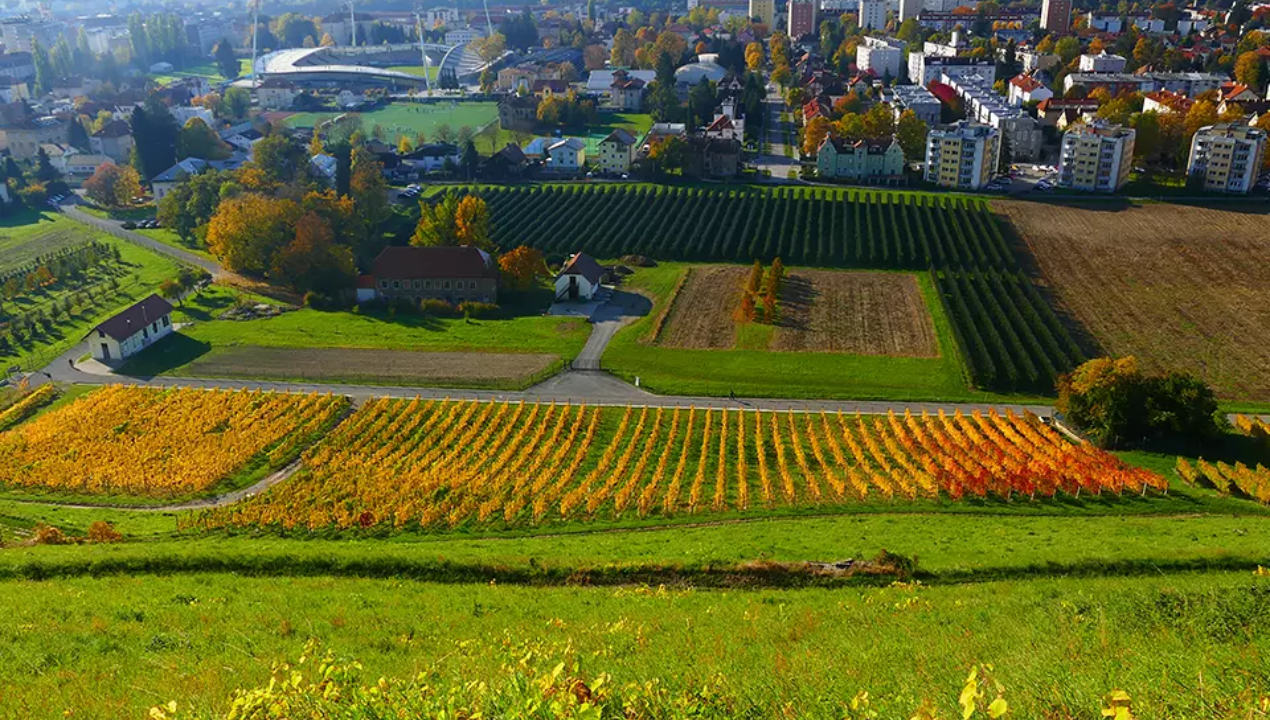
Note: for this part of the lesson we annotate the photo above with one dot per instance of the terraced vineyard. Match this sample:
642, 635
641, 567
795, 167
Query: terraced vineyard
1009, 336
445, 465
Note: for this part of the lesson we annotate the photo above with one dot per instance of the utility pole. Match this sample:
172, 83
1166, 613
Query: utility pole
427, 81
352, 21
255, 29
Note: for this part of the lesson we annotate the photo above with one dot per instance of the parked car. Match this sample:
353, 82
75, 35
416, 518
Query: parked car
129, 225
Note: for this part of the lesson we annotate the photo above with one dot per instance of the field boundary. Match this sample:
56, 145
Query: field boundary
660, 323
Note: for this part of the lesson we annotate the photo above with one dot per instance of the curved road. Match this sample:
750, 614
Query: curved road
114, 227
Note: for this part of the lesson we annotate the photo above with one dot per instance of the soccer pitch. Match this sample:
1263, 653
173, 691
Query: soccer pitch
410, 119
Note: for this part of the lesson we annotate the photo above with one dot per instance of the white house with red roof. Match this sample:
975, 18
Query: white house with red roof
1026, 88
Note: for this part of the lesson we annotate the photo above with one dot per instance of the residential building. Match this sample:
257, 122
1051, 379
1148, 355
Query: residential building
1064, 112
910, 9
1101, 63
324, 167
710, 157
725, 128
207, 32
184, 114
1227, 157
616, 152
626, 93
524, 76
580, 278
945, 20
923, 68
1163, 102
1186, 83
23, 132
1022, 136
131, 331
1026, 88
340, 26
508, 163
164, 182
1096, 157
276, 93
601, 81
962, 155
114, 140
875, 162
1233, 92
58, 154
763, 11
1056, 16
916, 98
884, 58
872, 14
566, 156
12, 90
18, 33
1032, 61
462, 36
802, 18
81, 166
518, 113
451, 274
430, 157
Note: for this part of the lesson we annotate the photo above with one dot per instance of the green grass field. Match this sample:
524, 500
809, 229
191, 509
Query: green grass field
417, 70
494, 137
204, 70
28, 235
410, 119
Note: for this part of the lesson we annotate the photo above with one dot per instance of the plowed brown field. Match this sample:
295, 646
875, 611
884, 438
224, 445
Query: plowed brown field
1180, 288
862, 313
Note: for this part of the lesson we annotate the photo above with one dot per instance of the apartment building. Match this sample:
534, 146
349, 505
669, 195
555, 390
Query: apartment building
1056, 16
984, 105
873, 14
802, 18
764, 11
916, 98
1096, 157
923, 68
883, 57
1101, 63
962, 155
1227, 157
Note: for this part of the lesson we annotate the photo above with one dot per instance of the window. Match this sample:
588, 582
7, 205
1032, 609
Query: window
447, 284
471, 285
396, 285
427, 284
418, 284
166, 321
145, 333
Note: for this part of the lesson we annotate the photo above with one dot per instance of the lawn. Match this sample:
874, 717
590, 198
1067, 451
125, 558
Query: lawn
89, 646
213, 342
758, 373
417, 70
494, 137
170, 238
138, 273
204, 70
411, 119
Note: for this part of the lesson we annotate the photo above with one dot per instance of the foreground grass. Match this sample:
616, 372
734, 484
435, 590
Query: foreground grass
761, 373
1190, 646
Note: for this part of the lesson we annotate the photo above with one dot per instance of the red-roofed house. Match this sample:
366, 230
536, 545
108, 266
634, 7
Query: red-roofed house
1025, 89
814, 109
1235, 92
627, 92
723, 128
452, 274
1164, 101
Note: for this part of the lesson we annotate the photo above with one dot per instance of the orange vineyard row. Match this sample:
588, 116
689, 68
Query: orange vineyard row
441, 464
141, 441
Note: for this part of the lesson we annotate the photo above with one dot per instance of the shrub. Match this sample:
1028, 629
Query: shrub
438, 308
103, 532
48, 535
472, 308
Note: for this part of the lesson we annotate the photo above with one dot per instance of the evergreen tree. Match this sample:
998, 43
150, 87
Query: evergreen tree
155, 132
79, 136
226, 63
44, 72
140, 40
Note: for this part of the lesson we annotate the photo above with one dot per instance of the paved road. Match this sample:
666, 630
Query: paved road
622, 309
115, 227
774, 135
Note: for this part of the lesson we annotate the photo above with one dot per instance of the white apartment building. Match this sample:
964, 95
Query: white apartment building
1227, 157
883, 57
916, 98
923, 68
910, 9
1096, 157
1101, 63
984, 105
962, 155
873, 14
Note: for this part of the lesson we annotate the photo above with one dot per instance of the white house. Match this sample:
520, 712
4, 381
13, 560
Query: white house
276, 94
82, 166
164, 182
132, 330
579, 279
566, 156
1026, 88
188, 112
617, 151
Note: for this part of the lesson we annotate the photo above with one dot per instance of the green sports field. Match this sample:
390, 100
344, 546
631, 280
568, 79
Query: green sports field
410, 119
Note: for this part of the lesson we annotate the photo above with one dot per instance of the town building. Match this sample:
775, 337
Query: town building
1096, 157
276, 93
626, 93
617, 152
12, 90
916, 98
131, 331
880, 56
1227, 157
1022, 136
763, 11
875, 162
923, 68
962, 155
872, 14
1185, 83
580, 278
1025, 89
802, 18
1031, 61
518, 113
714, 158
909, 9
114, 140
1065, 112
1056, 16
450, 274
18, 33
341, 27
1163, 101
22, 132
566, 156
1101, 63
462, 36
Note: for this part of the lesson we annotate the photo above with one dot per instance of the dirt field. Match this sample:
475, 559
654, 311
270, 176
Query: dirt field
862, 313
384, 366
1180, 288
702, 314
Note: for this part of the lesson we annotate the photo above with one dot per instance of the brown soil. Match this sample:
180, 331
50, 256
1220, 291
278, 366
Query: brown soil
862, 313
1179, 287
702, 317
386, 366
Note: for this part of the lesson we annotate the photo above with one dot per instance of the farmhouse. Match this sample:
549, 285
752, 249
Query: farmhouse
132, 330
579, 279
452, 274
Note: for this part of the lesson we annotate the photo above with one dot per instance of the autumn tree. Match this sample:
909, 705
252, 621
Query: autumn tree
522, 267
112, 185
248, 231
437, 223
368, 187
198, 140
754, 56
1250, 69
313, 260
471, 222
910, 131
815, 133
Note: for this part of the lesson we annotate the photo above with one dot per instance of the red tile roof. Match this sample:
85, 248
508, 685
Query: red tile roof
432, 262
1026, 83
